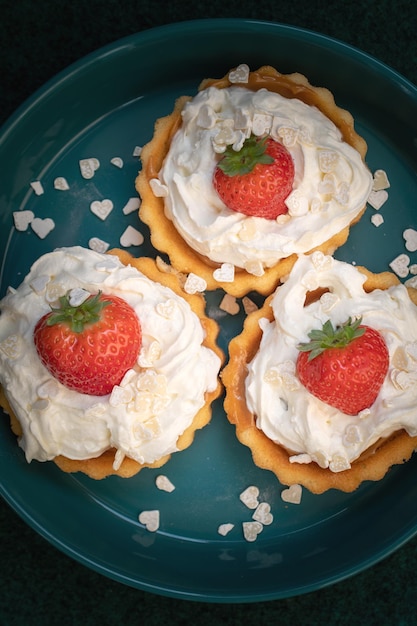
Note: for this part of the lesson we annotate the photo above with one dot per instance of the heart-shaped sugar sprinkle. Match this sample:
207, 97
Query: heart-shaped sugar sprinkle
39, 283
150, 519
297, 204
61, 184
251, 530
159, 190
263, 514
410, 237
320, 261
327, 160
292, 494
225, 273
288, 136
42, 227
261, 124
194, 284
377, 198
166, 308
400, 265
380, 180
240, 74
88, 167
98, 245
249, 497
120, 396
22, 219
77, 296
131, 237
11, 346
327, 185
101, 208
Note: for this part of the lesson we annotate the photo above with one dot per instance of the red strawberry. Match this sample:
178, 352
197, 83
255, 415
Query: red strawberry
257, 179
89, 347
344, 367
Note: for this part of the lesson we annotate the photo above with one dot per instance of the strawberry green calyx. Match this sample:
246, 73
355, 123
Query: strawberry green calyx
330, 337
80, 316
243, 161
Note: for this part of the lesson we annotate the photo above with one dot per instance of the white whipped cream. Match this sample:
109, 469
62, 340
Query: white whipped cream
157, 400
331, 183
285, 411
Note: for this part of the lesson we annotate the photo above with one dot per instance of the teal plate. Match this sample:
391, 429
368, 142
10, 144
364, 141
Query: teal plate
102, 107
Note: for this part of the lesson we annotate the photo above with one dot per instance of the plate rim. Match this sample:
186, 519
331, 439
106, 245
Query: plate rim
115, 48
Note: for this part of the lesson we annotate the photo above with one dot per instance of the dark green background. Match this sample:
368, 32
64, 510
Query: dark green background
38, 584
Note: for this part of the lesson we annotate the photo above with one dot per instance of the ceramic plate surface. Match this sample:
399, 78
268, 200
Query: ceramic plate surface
103, 107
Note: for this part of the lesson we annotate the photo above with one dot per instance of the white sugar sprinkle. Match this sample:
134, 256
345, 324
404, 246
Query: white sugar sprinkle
37, 187
224, 529
377, 219
164, 484
249, 497
131, 205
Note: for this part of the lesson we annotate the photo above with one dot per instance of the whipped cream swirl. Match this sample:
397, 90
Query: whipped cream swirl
331, 185
155, 402
292, 417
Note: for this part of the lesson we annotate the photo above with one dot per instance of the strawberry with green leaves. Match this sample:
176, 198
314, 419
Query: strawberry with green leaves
89, 347
257, 179
345, 366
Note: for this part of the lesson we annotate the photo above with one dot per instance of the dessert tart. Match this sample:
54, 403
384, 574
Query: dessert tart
140, 420
293, 430
318, 184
